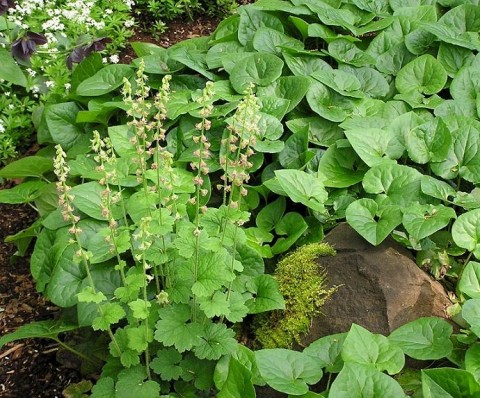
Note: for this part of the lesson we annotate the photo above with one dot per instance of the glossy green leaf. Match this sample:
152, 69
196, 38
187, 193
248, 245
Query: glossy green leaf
88, 199
364, 381
23, 193
448, 382
66, 277
469, 282
453, 58
424, 74
466, 84
466, 231
288, 371
62, 124
462, 158
320, 131
303, 188
295, 154
327, 351
341, 167
372, 82
361, 346
238, 383
244, 356
400, 183
266, 295
346, 52
252, 19
471, 313
429, 142
458, 26
42, 329
291, 88
421, 221
105, 80
272, 41
437, 188
193, 58
304, 64
472, 361
375, 145
10, 71
372, 222
271, 214
293, 225
31, 166
340, 81
424, 338
121, 140
329, 104
259, 68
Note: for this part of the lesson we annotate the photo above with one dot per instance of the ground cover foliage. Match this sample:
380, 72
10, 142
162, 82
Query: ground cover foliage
175, 174
40, 41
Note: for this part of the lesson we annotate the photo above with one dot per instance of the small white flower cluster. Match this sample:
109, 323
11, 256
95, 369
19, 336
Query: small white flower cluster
129, 23
2, 126
77, 12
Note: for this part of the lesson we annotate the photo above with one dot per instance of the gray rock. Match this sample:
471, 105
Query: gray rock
379, 288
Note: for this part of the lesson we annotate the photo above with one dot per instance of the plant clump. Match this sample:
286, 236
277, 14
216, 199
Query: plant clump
303, 284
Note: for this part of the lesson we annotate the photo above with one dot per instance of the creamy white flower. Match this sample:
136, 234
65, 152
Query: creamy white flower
114, 59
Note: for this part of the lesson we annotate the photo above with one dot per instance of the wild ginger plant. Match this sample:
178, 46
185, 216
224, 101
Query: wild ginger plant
165, 273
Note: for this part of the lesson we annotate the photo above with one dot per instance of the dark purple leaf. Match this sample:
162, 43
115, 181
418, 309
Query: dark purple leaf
5, 5
80, 53
24, 47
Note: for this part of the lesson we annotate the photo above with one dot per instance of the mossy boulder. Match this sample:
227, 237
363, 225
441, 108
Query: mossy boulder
304, 287
378, 287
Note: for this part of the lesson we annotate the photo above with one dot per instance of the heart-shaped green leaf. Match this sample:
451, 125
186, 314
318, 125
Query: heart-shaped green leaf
374, 223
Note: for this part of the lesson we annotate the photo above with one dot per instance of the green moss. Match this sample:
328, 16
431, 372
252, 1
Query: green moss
303, 285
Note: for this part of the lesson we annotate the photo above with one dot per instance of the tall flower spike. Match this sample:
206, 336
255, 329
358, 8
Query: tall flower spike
60, 166
243, 133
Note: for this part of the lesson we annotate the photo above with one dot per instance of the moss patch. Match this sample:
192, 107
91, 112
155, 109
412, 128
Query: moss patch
303, 285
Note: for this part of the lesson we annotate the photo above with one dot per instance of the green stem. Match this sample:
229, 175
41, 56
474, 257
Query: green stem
92, 285
77, 353
122, 204
33, 207
464, 265
145, 298
197, 223
232, 267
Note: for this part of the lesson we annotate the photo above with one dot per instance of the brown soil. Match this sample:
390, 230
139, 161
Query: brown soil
178, 30
29, 368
